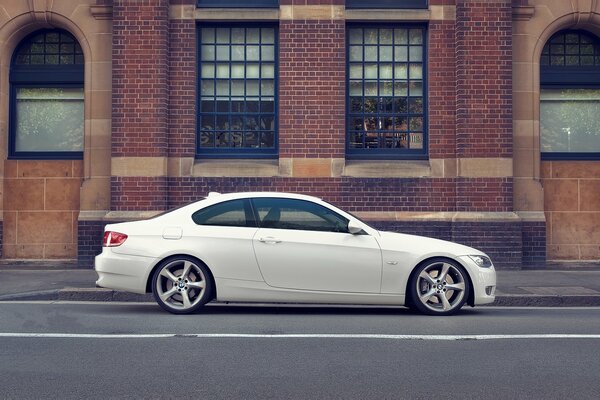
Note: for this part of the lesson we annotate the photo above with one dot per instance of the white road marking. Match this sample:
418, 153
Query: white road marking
292, 336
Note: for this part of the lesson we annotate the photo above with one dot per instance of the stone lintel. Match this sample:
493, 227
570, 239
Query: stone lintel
485, 167
305, 12
389, 15
232, 14
138, 166
311, 12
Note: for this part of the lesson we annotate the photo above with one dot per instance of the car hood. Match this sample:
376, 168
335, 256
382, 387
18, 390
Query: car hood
393, 241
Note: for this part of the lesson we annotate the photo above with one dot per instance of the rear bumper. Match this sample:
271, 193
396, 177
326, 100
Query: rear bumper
123, 272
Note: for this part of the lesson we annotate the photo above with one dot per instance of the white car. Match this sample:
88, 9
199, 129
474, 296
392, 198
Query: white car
280, 247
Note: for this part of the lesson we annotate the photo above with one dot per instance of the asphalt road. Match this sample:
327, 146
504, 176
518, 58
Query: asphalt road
129, 350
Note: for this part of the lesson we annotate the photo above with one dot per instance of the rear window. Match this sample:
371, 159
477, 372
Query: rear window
228, 213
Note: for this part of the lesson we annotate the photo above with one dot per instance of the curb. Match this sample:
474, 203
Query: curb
108, 295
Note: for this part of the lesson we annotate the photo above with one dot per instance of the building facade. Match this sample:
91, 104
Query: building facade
466, 120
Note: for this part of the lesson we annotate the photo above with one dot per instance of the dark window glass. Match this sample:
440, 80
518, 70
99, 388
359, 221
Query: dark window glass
386, 91
237, 90
295, 214
47, 97
229, 213
571, 49
49, 48
386, 4
570, 96
238, 3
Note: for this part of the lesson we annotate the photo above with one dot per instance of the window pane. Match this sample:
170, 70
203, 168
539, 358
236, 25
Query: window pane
208, 35
237, 71
267, 35
49, 119
355, 36
267, 71
569, 120
208, 70
356, 71
356, 53
207, 53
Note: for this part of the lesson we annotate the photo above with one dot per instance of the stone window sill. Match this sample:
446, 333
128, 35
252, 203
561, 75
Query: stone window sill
235, 168
387, 169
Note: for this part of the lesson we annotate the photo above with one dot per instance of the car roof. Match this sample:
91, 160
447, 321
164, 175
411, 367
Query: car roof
244, 195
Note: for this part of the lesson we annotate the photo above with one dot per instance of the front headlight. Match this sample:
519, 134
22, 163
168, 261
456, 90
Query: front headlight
482, 261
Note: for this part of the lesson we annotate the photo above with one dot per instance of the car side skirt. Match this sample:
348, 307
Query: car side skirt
252, 291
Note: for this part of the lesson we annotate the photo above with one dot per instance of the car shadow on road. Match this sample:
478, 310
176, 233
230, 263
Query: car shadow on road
293, 309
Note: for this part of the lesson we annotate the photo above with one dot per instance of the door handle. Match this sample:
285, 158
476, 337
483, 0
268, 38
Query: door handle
269, 240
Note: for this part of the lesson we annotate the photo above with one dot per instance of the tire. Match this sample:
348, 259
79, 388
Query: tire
439, 286
182, 285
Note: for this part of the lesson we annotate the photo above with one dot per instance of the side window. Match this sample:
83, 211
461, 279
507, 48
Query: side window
229, 213
299, 215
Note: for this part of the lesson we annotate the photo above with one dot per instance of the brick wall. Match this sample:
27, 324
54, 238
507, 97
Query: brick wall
442, 89
366, 194
90, 241
484, 194
484, 78
140, 96
140, 193
534, 243
312, 85
182, 88
140, 67
502, 241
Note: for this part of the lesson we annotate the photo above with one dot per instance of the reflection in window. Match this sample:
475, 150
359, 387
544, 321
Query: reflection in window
386, 108
570, 120
49, 119
298, 215
237, 89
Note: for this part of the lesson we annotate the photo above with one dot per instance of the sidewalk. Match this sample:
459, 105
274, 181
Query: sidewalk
549, 285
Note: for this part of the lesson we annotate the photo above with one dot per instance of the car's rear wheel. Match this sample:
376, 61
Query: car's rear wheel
181, 285
438, 287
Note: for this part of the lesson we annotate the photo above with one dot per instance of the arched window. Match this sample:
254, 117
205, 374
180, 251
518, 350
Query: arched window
570, 96
46, 97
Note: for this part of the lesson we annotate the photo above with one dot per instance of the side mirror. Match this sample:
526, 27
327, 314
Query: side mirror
354, 227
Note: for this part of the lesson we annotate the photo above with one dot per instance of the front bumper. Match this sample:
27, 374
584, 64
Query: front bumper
484, 281
123, 272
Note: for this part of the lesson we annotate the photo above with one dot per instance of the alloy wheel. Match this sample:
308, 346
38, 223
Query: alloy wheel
440, 287
181, 286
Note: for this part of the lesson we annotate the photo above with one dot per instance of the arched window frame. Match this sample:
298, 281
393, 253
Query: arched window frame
60, 76
569, 77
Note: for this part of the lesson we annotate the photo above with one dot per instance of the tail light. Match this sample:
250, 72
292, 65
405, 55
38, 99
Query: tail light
113, 239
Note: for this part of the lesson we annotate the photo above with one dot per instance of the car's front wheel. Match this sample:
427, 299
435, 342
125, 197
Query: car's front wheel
438, 287
181, 285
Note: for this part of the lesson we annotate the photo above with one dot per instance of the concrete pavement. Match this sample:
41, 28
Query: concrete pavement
548, 285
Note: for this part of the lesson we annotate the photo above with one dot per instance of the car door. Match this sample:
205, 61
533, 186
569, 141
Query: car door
222, 236
304, 245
